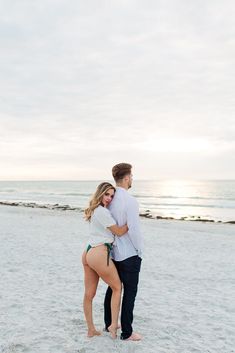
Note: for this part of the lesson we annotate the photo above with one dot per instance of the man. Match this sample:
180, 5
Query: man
127, 251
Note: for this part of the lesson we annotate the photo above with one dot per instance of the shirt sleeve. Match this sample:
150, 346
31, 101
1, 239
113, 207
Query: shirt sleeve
133, 224
104, 217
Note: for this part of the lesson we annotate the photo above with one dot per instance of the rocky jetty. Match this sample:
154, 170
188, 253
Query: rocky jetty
55, 206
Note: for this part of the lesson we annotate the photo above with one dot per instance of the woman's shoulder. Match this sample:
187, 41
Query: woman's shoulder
101, 210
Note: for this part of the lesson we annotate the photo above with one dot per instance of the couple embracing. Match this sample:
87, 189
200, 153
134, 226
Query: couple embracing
113, 253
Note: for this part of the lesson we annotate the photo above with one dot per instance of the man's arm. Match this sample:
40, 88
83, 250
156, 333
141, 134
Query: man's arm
134, 225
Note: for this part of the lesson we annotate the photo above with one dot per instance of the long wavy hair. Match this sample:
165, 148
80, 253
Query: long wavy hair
96, 199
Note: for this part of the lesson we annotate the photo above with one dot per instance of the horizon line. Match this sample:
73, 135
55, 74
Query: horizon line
90, 180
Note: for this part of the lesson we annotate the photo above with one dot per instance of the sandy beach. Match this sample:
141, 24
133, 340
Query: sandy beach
185, 302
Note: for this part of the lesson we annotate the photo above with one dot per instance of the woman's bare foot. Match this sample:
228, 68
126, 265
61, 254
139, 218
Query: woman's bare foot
93, 332
107, 330
113, 331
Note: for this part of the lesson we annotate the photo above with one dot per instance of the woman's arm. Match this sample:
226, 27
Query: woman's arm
119, 231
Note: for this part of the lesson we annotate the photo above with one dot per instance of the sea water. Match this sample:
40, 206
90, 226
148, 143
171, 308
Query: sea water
194, 199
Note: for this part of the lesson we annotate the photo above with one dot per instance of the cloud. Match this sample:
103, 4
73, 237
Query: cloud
84, 79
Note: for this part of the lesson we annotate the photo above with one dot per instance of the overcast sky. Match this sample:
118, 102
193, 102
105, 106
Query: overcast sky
87, 84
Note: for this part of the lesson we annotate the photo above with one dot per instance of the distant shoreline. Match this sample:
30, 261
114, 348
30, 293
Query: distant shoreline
145, 214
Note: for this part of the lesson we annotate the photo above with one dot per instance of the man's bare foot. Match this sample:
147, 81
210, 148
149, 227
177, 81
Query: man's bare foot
134, 337
113, 331
92, 333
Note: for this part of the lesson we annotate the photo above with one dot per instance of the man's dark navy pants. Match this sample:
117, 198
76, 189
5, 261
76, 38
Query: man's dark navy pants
128, 271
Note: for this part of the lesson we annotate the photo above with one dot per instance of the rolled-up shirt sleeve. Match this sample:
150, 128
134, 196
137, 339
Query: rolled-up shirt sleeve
133, 224
104, 217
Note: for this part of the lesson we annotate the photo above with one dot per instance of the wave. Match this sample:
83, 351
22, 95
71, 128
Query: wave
145, 214
159, 197
71, 194
182, 205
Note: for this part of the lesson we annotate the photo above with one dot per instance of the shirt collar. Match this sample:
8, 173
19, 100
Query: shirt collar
121, 188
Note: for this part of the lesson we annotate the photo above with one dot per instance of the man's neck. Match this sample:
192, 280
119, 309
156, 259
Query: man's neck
120, 185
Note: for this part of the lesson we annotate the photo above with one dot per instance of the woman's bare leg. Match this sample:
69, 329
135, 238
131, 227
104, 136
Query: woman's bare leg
97, 260
91, 280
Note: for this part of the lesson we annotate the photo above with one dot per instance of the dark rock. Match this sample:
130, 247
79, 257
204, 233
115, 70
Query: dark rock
203, 220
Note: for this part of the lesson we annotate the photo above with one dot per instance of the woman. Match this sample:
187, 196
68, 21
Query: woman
95, 259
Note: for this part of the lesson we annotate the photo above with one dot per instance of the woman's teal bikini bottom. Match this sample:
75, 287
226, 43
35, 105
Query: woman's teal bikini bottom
109, 248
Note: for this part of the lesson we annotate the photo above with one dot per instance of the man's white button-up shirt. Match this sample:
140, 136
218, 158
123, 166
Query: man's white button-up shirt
125, 210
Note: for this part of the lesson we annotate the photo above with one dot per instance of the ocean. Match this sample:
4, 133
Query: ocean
206, 200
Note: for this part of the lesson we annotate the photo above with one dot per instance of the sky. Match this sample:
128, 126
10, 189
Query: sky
88, 84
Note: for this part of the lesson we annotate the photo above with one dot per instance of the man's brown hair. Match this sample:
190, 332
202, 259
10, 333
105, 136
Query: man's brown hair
120, 170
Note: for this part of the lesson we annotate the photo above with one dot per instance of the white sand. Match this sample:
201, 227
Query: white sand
185, 302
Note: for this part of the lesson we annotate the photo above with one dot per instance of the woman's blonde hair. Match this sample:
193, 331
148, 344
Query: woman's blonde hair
96, 199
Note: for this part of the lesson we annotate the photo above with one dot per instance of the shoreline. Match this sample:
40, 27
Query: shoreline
145, 214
